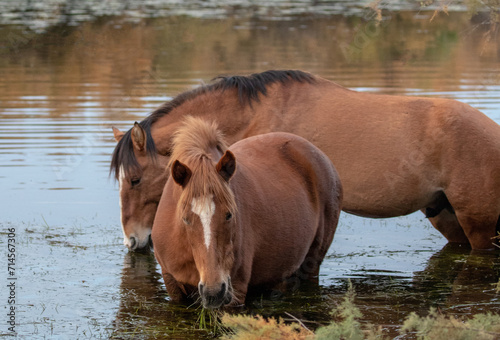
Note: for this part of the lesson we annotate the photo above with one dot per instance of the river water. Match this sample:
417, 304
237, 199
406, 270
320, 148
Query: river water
70, 72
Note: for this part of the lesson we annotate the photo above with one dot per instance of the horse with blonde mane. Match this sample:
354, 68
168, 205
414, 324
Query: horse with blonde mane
251, 215
394, 154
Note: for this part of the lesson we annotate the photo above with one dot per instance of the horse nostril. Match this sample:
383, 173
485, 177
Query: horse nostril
133, 243
223, 287
200, 288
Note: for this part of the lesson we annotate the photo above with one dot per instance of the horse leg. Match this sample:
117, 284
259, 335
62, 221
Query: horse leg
480, 229
240, 280
477, 211
176, 291
326, 227
446, 223
239, 294
309, 269
442, 216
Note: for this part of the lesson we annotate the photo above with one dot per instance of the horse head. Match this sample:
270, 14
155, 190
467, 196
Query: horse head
206, 208
141, 182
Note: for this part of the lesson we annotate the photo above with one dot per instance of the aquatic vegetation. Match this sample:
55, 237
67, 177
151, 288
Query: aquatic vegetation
438, 326
210, 320
248, 327
346, 325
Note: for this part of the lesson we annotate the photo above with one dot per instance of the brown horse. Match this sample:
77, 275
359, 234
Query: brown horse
394, 154
250, 216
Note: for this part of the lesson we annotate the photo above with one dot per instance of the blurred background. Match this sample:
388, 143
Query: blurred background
69, 70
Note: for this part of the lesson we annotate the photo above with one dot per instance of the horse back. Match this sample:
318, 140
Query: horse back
292, 160
393, 153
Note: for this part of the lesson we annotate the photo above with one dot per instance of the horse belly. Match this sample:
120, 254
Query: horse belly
384, 152
287, 204
283, 249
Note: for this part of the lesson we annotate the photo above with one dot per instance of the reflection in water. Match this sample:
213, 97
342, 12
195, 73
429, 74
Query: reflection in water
145, 311
460, 281
454, 280
140, 287
63, 88
475, 288
118, 65
43, 13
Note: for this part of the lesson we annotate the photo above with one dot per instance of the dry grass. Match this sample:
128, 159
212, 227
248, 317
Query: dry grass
346, 326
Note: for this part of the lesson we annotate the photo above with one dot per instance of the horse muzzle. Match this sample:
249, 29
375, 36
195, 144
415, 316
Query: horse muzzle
136, 245
215, 296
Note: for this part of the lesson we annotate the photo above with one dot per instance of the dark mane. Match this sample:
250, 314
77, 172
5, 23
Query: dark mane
249, 89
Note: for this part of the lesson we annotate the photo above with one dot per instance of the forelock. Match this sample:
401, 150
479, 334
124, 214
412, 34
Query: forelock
206, 182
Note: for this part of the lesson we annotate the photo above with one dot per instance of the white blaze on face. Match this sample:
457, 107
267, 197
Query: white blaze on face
121, 180
204, 207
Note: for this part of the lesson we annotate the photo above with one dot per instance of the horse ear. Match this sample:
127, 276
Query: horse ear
117, 133
181, 173
226, 165
138, 137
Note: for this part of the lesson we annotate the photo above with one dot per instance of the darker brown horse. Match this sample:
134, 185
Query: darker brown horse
251, 216
394, 154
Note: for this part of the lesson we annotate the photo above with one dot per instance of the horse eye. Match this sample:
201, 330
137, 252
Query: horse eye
186, 221
135, 181
228, 216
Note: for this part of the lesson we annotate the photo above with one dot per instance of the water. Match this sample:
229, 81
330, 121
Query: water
68, 77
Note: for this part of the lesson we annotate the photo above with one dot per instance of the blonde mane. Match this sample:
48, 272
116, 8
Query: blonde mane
193, 145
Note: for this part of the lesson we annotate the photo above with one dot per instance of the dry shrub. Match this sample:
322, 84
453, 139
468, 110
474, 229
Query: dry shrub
346, 326
250, 328
437, 326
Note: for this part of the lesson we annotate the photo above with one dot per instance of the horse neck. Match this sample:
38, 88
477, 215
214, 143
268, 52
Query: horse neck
235, 119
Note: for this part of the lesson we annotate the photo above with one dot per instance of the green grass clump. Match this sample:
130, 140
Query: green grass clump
348, 326
437, 326
210, 320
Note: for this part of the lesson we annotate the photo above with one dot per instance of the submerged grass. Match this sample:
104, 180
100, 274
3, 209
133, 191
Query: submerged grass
346, 325
211, 320
208, 320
